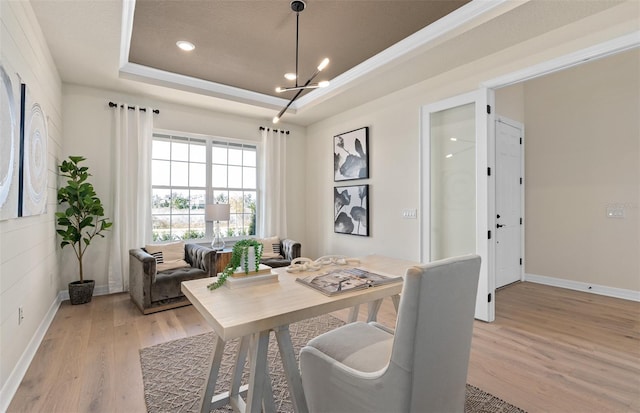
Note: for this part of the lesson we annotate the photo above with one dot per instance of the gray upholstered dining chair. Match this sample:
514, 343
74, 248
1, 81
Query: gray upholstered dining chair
365, 367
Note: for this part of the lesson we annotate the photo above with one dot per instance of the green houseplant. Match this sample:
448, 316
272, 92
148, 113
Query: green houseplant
240, 252
82, 220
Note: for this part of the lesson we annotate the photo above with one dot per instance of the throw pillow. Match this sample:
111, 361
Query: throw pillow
158, 257
270, 248
170, 251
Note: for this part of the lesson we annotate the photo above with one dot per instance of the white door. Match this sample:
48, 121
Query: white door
509, 216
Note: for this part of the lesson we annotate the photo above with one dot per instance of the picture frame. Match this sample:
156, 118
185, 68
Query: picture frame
10, 116
351, 210
351, 155
33, 161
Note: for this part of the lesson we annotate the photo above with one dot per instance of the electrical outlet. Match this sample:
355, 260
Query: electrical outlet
20, 315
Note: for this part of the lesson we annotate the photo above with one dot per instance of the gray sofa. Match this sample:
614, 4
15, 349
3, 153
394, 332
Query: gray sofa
289, 249
155, 291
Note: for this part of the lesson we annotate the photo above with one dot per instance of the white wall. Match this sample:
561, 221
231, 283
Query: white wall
510, 102
394, 141
582, 154
28, 258
88, 123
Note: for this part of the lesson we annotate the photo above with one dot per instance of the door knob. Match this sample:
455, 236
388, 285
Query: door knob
499, 226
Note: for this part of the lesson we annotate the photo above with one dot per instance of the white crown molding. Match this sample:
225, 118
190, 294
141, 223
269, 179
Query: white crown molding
133, 71
406, 47
584, 287
617, 45
403, 49
128, 9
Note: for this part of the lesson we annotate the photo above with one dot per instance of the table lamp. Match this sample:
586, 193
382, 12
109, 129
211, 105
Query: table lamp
217, 213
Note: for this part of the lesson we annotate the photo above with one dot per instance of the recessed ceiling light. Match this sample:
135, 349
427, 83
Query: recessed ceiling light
185, 45
290, 76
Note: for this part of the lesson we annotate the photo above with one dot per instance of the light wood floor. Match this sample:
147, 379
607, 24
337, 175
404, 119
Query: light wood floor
549, 350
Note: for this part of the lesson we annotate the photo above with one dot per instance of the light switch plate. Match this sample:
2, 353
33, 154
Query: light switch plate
409, 213
615, 211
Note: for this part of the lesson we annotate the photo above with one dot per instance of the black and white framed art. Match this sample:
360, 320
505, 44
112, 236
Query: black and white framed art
351, 210
33, 165
9, 141
351, 155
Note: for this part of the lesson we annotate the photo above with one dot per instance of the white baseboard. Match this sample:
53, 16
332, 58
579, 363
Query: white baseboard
586, 287
15, 378
13, 381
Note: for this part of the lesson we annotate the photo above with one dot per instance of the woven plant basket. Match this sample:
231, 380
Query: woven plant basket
80, 292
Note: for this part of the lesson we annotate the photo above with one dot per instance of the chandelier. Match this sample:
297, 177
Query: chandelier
298, 6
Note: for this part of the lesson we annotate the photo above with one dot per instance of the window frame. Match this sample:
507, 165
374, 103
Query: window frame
209, 189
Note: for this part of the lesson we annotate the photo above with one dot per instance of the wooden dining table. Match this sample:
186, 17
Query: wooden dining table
252, 312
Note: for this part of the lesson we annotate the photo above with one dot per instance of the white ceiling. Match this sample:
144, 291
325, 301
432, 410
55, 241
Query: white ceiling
88, 46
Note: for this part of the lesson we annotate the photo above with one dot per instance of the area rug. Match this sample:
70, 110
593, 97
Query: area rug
174, 373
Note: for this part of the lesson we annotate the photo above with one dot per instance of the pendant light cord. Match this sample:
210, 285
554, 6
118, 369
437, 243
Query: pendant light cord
297, 34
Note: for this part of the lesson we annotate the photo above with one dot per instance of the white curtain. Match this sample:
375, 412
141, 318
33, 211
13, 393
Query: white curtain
273, 202
131, 177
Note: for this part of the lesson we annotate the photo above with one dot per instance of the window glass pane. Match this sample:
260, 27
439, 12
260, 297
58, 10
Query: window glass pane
219, 154
179, 201
160, 201
219, 176
249, 178
235, 156
161, 227
453, 182
198, 175
221, 197
179, 225
179, 174
235, 199
197, 201
160, 173
249, 202
179, 151
249, 157
196, 228
198, 151
161, 149
235, 177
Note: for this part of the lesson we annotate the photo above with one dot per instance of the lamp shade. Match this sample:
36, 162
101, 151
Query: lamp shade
217, 212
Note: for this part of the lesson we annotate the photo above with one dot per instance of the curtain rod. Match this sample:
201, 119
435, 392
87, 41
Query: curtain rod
286, 132
115, 105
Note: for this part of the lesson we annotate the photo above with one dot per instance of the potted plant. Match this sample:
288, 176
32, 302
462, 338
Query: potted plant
245, 252
80, 222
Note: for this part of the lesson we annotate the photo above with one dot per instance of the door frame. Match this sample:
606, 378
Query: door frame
519, 126
486, 93
485, 308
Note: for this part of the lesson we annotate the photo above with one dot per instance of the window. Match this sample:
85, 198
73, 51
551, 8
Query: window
189, 172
